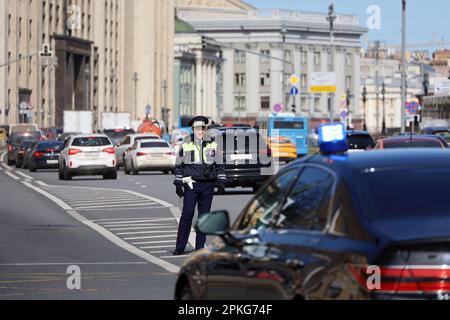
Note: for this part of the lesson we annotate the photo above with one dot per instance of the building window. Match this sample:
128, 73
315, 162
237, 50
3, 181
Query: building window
240, 79
240, 56
239, 103
304, 81
265, 79
304, 57
287, 55
348, 59
304, 103
317, 104
265, 56
317, 58
265, 103
348, 82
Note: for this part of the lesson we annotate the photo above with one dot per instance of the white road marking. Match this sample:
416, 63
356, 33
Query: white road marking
105, 233
118, 219
157, 252
24, 175
102, 202
134, 221
5, 166
3, 156
41, 183
70, 263
153, 242
141, 228
144, 187
158, 247
1, 169
142, 238
145, 232
124, 208
118, 206
11, 175
133, 225
176, 257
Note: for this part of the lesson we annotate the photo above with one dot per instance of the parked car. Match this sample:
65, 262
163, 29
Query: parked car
360, 141
403, 142
117, 135
88, 155
282, 149
128, 142
45, 155
150, 155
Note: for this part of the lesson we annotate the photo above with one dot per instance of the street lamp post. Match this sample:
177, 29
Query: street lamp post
331, 18
364, 97
403, 114
87, 73
135, 79
164, 108
383, 93
377, 79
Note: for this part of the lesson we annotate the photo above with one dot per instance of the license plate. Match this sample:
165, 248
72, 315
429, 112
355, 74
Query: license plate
52, 161
156, 155
241, 157
92, 154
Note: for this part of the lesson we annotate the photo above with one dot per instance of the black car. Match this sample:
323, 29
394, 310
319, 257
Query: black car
14, 142
360, 141
247, 158
45, 155
333, 227
20, 152
27, 155
117, 135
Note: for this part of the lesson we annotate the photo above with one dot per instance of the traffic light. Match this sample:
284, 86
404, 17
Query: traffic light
294, 108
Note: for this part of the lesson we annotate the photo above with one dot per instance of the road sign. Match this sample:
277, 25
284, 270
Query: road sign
323, 82
278, 107
442, 87
412, 107
294, 91
294, 80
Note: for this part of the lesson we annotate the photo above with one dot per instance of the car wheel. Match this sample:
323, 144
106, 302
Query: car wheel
221, 191
32, 168
110, 175
256, 189
60, 174
126, 169
186, 294
66, 174
18, 165
134, 171
9, 162
166, 172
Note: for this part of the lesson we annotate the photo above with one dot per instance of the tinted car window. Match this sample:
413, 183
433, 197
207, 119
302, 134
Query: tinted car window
91, 142
306, 207
154, 145
413, 144
262, 209
18, 138
360, 141
55, 146
299, 125
408, 192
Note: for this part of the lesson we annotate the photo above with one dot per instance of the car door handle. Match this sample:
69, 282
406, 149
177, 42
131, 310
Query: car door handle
295, 264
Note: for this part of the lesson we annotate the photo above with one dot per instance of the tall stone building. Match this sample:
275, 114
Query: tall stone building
111, 56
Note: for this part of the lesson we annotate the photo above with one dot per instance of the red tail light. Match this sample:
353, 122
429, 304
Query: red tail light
141, 154
172, 154
73, 152
404, 279
38, 154
9, 147
42, 138
265, 152
110, 150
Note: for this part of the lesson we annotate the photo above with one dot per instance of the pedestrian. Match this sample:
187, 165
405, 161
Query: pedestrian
198, 170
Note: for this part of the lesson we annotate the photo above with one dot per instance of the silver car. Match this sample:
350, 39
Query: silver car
128, 142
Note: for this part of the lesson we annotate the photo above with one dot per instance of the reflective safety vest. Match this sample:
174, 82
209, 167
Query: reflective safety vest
191, 153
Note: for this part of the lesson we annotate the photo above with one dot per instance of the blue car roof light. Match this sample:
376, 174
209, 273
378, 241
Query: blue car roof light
333, 138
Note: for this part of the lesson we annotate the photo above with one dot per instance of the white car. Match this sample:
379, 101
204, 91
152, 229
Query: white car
128, 142
150, 155
88, 155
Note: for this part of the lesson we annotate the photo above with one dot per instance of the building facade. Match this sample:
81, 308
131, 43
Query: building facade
95, 49
254, 43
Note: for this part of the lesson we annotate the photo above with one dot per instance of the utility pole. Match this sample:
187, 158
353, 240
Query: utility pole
164, 108
364, 97
135, 79
403, 114
377, 79
87, 73
283, 33
383, 97
331, 18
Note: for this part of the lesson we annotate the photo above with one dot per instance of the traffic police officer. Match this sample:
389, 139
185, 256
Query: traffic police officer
198, 170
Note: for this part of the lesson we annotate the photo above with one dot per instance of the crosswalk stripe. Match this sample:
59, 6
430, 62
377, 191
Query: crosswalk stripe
156, 247
134, 225
153, 242
117, 206
144, 232
138, 221
141, 228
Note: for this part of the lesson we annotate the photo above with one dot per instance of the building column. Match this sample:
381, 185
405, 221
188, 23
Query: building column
198, 85
252, 77
228, 83
276, 75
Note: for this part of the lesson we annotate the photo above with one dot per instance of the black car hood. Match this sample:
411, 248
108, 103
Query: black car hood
425, 227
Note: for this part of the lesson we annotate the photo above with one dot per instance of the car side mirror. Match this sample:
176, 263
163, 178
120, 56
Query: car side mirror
214, 224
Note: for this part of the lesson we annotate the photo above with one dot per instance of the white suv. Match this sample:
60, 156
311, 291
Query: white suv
88, 155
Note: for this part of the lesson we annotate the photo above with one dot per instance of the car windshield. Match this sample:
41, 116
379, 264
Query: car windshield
392, 193
53, 146
19, 138
118, 136
360, 141
296, 125
155, 145
413, 144
91, 142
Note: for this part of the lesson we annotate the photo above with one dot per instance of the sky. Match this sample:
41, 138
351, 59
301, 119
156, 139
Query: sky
428, 20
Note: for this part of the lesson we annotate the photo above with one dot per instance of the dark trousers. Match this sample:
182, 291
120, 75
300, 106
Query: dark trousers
202, 195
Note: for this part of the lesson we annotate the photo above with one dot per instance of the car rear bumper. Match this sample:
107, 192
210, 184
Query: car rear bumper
154, 164
43, 163
91, 170
246, 177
